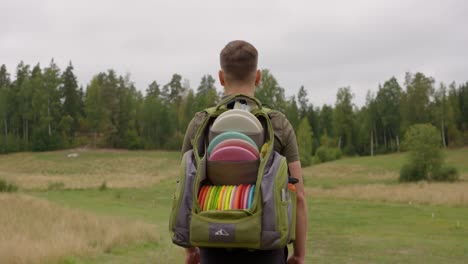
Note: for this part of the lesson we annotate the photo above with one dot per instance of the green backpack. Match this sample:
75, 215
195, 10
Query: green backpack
270, 221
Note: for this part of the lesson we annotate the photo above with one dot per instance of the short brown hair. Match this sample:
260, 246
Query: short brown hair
239, 60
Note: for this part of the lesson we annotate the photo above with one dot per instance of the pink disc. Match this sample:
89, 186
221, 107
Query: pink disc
238, 143
232, 153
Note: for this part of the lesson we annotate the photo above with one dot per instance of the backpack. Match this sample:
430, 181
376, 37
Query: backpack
269, 222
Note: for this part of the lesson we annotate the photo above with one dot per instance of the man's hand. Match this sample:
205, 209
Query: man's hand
192, 255
295, 260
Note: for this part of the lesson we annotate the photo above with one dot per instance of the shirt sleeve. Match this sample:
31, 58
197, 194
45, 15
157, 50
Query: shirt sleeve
192, 128
285, 138
290, 149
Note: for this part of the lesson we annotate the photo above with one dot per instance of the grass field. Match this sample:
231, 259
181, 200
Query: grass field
357, 211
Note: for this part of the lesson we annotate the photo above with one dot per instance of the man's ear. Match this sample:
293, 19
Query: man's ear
258, 77
221, 77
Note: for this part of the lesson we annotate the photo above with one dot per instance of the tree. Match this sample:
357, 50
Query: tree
304, 140
71, 98
206, 94
270, 93
172, 92
292, 113
303, 101
153, 89
326, 120
95, 113
51, 82
4, 99
440, 111
387, 106
206, 85
343, 119
463, 106
312, 115
370, 118
417, 99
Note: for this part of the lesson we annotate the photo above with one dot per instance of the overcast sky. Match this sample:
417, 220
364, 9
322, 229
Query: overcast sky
322, 45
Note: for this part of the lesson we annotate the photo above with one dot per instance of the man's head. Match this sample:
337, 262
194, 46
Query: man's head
239, 71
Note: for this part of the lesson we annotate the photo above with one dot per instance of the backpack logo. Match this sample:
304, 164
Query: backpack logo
221, 232
225, 233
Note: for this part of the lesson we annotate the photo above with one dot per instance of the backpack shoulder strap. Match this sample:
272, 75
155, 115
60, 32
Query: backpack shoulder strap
210, 110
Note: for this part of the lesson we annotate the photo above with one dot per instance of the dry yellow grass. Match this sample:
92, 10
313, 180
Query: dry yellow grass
453, 194
346, 171
119, 169
36, 231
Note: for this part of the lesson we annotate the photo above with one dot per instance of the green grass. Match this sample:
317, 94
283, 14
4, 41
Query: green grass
340, 231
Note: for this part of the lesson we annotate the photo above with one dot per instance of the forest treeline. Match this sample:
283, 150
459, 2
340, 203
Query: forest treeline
45, 109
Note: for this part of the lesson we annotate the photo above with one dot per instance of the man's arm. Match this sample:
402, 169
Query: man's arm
301, 214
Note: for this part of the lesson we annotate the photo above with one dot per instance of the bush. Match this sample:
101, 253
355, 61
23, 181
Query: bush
445, 173
41, 141
410, 173
423, 142
325, 154
337, 152
133, 141
9, 144
425, 156
7, 187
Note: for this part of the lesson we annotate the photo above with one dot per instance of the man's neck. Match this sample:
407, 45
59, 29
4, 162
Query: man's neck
247, 90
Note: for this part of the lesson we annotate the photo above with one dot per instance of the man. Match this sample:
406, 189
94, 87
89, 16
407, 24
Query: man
239, 74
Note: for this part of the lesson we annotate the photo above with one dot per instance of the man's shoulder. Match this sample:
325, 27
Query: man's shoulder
196, 121
279, 121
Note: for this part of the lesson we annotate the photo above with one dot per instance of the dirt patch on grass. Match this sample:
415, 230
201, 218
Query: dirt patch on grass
37, 231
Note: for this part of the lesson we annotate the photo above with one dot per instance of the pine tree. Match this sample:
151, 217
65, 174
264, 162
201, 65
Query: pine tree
387, 105
343, 119
71, 98
206, 93
95, 112
4, 99
419, 90
270, 93
303, 101
52, 82
292, 113
304, 142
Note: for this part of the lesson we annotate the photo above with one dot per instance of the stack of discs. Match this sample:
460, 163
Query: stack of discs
232, 146
226, 197
232, 143
238, 120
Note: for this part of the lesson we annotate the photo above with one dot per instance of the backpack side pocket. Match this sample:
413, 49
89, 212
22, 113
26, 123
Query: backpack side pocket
275, 220
180, 217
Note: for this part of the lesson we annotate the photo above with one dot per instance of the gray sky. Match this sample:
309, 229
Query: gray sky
322, 45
